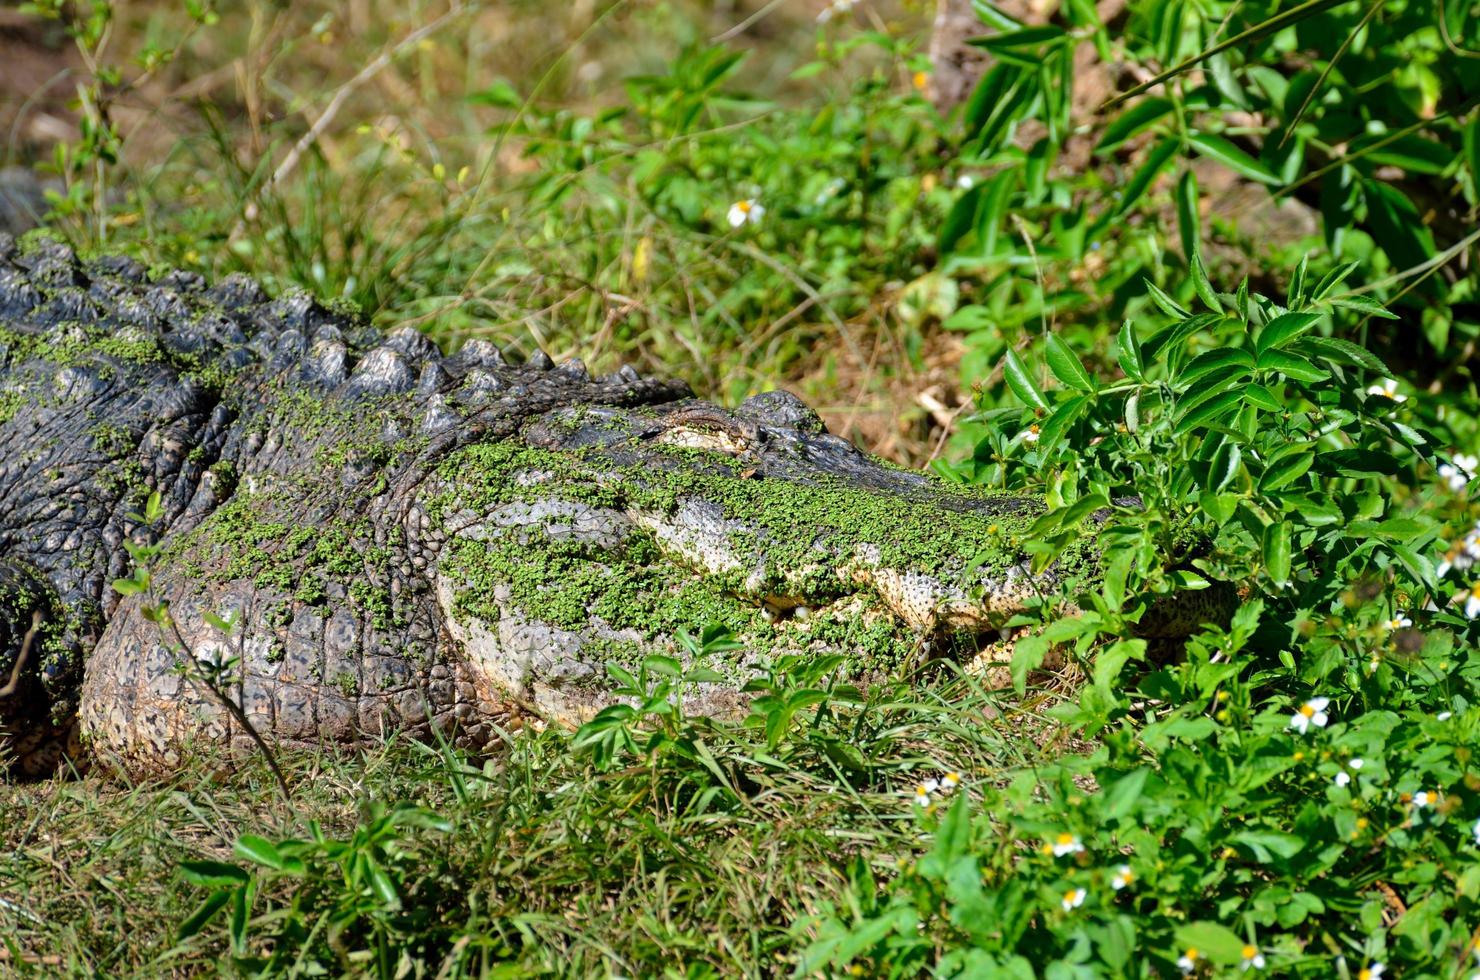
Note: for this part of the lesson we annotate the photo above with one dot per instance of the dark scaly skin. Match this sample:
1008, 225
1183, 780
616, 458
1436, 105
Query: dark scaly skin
405, 537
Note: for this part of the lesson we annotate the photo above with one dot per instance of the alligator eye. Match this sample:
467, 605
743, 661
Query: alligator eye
689, 437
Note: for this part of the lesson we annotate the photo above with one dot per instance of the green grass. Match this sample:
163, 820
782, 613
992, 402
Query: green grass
552, 867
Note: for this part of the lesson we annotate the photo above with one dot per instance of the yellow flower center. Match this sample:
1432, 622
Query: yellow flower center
1066, 839
921, 80
744, 207
1307, 710
1192, 954
1250, 952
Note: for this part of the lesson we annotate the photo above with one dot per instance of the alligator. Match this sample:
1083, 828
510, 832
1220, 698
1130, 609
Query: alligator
362, 535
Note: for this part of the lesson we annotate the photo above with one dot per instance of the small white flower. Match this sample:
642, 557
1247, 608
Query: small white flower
1342, 779
949, 782
966, 182
1388, 389
1371, 971
1398, 622
923, 793
1476, 831
1444, 715
1073, 898
1066, 844
1188, 961
834, 9
1031, 434
1472, 601
1252, 959
748, 211
1423, 798
1124, 876
1356, 763
1312, 712
1459, 471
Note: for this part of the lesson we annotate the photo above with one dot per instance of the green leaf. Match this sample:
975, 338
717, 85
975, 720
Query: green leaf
1025, 37
1277, 551
1286, 471
1269, 845
1027, 656
1215, 360
1291, 365
212, 874
1132, 121
204, 913
258, 850
1363, 305
1121, 796
1019, 381
1220, 150
1331, 280
1283, 329
1342, 352
1261, 397
1220, 944
1066, 366
1141, 180
1218, 506
662, 666
1128, 352
1200, 283
1209, 411
1164, 302
1188, 224
1397, 225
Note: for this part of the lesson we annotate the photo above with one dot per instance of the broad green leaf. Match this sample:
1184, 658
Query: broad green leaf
1291, 365
1363, 305
1397, 225
1164, 302
212, 874
1342, 352
1200, 283
1218, 506
258, 850
1277, 551
1141, 180
1209, 411
1219, 944
1331, 280
1132, 121
1286, 471
1128, 352
1222, 151
960, 220
1262, 398
1283, 329
1019, 381
1214, 360
1066, 366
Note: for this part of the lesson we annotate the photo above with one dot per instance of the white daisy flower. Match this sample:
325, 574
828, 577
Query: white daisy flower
1342, 779
1031, 434
1188, 961
749, 211
1459, 471
1124, 876
1073, 898
1252, 959
1388, 389
1371, 971
1312, 712
1472, 601
1066, 844
1398, 622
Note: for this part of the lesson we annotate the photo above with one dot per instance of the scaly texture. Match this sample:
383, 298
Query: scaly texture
407, 540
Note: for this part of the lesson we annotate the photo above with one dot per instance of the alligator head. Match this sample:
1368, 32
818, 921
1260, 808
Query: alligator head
404, 541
